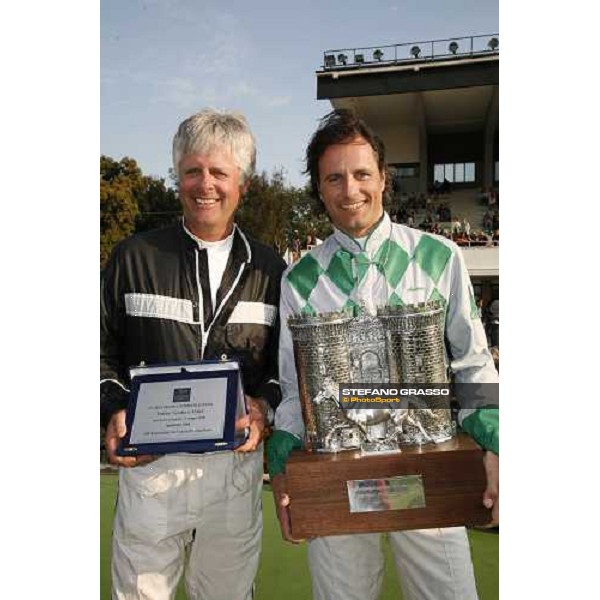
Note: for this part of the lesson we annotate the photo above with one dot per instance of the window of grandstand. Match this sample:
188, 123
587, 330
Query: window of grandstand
497, 171
407, 171
455, 172
404, 171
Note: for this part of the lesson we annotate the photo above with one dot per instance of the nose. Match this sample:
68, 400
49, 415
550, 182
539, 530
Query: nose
350, 186
206, 181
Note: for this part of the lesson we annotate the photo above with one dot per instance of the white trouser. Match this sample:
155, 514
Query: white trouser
432, 564
201, 514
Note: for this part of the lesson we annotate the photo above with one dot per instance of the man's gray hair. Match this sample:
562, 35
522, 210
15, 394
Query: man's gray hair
210, 128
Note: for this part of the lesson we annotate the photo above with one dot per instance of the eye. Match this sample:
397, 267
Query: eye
333, 178
363, 175
219, 174
192, 172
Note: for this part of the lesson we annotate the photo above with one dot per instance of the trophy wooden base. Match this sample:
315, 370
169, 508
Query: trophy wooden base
451, 486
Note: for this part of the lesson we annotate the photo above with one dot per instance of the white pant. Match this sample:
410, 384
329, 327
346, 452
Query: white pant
199, 512
432, 564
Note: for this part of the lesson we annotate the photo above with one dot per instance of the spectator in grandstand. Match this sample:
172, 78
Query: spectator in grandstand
496, 237
444, 212
487, 220
493, 323
495, 352
456, 225
462, 239
426, 223
479, 303
446, 188
466, 226
296, 245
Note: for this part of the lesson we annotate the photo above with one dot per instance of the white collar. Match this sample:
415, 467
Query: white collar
219, 244
375, 238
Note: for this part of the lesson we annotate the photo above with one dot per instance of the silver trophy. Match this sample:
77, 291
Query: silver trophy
398, 345
414, 338
322, 355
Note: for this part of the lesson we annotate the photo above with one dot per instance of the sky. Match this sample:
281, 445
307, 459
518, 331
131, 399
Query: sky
163, 60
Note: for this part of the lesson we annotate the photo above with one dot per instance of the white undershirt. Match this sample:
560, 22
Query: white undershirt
218, 255
361, 241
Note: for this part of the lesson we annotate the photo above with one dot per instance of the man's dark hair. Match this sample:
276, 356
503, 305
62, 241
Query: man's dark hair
338, 127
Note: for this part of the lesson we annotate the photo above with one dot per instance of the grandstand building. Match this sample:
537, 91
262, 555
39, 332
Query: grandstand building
435, 106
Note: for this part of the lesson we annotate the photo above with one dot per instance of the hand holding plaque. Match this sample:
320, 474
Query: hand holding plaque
115, 432
254, 422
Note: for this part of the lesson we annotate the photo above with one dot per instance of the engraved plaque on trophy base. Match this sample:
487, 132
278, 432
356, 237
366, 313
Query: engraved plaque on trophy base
434, 485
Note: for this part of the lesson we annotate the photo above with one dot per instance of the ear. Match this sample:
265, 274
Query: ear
319, 195
244, 187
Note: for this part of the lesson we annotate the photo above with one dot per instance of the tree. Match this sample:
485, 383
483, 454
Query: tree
308, 216
131, 202
271, 211
120, 183
159, 206
266, 209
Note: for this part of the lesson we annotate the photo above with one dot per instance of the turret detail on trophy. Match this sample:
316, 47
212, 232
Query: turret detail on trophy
402, 345
414, 336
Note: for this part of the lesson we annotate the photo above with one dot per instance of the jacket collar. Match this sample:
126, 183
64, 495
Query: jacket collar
240, 248
376, 237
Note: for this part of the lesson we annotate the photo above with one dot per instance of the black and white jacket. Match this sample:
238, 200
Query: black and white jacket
153, 311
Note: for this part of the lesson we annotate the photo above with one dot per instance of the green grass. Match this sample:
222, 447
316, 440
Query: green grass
283, 567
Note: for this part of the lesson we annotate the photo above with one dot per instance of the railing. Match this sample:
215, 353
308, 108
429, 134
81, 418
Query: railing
411, 52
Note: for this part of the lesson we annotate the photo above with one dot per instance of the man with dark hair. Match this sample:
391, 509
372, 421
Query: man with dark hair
367, 262
200, 289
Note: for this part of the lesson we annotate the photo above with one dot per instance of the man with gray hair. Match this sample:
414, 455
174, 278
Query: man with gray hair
201, 289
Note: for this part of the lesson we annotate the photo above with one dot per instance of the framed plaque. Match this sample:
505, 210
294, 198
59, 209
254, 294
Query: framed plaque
185, 407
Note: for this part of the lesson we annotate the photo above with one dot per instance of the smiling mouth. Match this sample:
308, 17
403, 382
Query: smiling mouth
205, 201
353, 206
